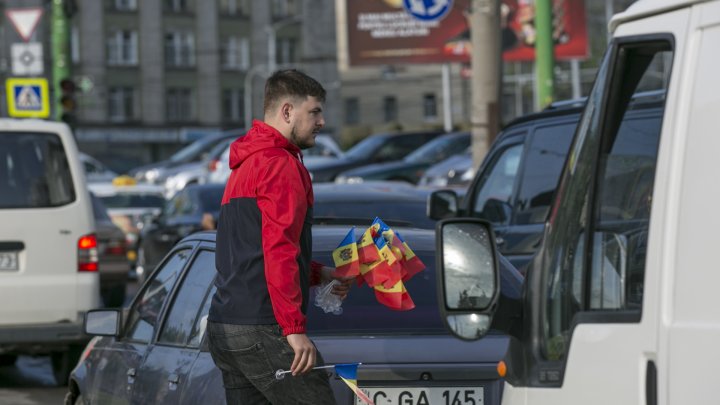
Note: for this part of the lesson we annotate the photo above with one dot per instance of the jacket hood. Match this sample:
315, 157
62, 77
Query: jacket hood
260, 137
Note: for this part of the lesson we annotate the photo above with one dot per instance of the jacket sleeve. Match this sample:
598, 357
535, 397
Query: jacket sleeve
315, 273
283, 206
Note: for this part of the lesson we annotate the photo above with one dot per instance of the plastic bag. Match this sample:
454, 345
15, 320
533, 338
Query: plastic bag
325, 299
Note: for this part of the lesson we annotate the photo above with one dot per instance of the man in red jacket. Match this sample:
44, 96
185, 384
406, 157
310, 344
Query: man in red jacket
257, 322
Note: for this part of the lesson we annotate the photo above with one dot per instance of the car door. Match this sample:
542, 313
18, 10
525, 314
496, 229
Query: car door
116, 374
166, 367
594, 311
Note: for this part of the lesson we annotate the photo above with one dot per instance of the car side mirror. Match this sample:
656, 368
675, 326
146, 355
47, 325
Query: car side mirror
103, 322
468, 276
443, 204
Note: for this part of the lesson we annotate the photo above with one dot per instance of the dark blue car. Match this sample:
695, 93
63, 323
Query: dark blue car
155, 350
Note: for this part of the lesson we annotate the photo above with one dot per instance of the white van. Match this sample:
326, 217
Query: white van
620, 304
48, 251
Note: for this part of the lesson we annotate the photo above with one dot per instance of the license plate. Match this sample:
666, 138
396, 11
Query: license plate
8, 261
424, 395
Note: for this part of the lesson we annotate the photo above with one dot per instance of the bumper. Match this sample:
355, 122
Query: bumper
40, 338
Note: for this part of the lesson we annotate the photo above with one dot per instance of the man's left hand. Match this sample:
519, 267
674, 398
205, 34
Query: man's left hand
342, 289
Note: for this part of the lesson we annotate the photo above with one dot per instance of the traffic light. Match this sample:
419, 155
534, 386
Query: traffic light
68, 104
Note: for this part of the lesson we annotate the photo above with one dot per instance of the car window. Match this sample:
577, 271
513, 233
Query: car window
127, 200
412, 213
34, 171
211, 198
439, 149
494, 194
544, 160
143, 316
91, 168
180, 204
366, 148
399, 147
182, 319
99, 210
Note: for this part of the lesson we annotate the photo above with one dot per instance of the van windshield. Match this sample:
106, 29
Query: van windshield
34, 171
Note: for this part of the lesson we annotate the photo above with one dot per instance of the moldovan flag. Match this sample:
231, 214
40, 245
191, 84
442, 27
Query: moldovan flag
347, 263
375, 273
396, 297
367, 251
348, 373
412, 264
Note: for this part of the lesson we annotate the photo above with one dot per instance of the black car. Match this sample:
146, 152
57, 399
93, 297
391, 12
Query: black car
373, 149
195, 208
155, 351
412, 166
515, 184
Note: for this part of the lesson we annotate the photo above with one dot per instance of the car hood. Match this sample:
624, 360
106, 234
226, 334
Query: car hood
459, 163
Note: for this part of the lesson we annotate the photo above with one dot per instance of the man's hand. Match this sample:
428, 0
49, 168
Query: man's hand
342, 289
305, 353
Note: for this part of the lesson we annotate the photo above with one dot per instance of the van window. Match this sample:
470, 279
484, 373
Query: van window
34, 171
596, 255
544, 160
493, 200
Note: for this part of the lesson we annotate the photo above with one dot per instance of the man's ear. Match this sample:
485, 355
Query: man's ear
285, 111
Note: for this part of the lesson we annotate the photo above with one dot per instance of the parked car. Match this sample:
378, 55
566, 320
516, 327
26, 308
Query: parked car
373, 149
48, 247
94, 170
412, 166
156, 351
130, 206
325, 150
193, 209
114, 266
197, 151
455, 171
515, 184
195, 172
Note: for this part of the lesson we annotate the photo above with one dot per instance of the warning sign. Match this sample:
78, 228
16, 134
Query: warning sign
28, 98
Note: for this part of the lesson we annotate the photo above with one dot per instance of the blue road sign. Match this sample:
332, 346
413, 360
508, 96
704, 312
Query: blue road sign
428, 10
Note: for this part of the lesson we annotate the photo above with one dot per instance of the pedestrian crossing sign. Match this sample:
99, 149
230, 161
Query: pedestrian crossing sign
27, 98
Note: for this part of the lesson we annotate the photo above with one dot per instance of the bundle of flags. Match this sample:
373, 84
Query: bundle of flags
381, 259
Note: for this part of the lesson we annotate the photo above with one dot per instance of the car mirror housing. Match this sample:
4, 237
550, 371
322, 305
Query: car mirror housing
443, 204
103, 322
468, 276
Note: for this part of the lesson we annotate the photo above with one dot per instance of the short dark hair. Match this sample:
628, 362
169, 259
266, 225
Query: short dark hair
291, 83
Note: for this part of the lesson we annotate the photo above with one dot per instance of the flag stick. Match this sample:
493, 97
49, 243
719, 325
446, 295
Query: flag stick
280, 373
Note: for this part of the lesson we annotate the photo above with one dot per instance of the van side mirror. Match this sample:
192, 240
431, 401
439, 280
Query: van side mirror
468, 276
103, 322
443, 204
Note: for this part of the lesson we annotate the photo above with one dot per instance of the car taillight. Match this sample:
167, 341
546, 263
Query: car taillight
87, 253
213, 165
118, 248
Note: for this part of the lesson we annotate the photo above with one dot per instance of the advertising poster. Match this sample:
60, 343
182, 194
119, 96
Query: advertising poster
383, 32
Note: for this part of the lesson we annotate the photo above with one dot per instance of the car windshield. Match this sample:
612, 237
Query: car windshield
439, 149
191, 152
409, 212
365, 148
126, 200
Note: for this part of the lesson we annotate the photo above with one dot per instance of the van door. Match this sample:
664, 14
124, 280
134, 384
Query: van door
594, 301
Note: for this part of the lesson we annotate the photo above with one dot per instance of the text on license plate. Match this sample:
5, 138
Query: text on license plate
8, 261
424, 395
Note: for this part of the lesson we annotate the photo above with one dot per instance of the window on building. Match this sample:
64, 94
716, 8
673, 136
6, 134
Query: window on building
180, 105
430, 107
235, 53
121, 104
286, 51
233, 106
122, 48
235, 7
284, 8
179, 49
390, 112
178, 6
352, 111
125, 5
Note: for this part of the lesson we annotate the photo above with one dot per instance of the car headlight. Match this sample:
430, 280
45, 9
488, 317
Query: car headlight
152, 175
468, 175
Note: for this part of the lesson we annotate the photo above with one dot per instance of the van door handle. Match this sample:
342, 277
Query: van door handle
651, 383
499, 241
131, 376
173, 382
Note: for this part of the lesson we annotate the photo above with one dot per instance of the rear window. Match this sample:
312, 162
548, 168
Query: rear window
34, 171
133, 201
363, 314
407, 213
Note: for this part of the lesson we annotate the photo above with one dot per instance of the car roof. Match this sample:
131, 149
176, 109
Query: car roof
106, 189
369, 191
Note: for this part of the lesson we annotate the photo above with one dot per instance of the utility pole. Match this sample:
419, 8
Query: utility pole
60, 34
486, 80
544, 58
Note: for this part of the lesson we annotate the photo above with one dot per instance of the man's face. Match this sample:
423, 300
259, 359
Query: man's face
307, 122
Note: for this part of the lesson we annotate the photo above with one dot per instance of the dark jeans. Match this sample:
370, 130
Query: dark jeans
249, 356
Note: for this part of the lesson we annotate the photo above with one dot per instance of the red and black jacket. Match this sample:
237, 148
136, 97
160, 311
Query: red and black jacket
264, 240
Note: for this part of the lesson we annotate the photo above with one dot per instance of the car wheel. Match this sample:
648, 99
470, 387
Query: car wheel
64, 362
7, 360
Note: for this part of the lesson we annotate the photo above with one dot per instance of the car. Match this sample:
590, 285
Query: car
325, 150
48, 246
516, 182
96, 171
455, 171
412, 166
130, 206
155, 351
195, 172
198, 151
112, 256
375, 148
193, 209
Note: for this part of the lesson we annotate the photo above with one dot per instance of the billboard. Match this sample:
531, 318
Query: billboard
383, 32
